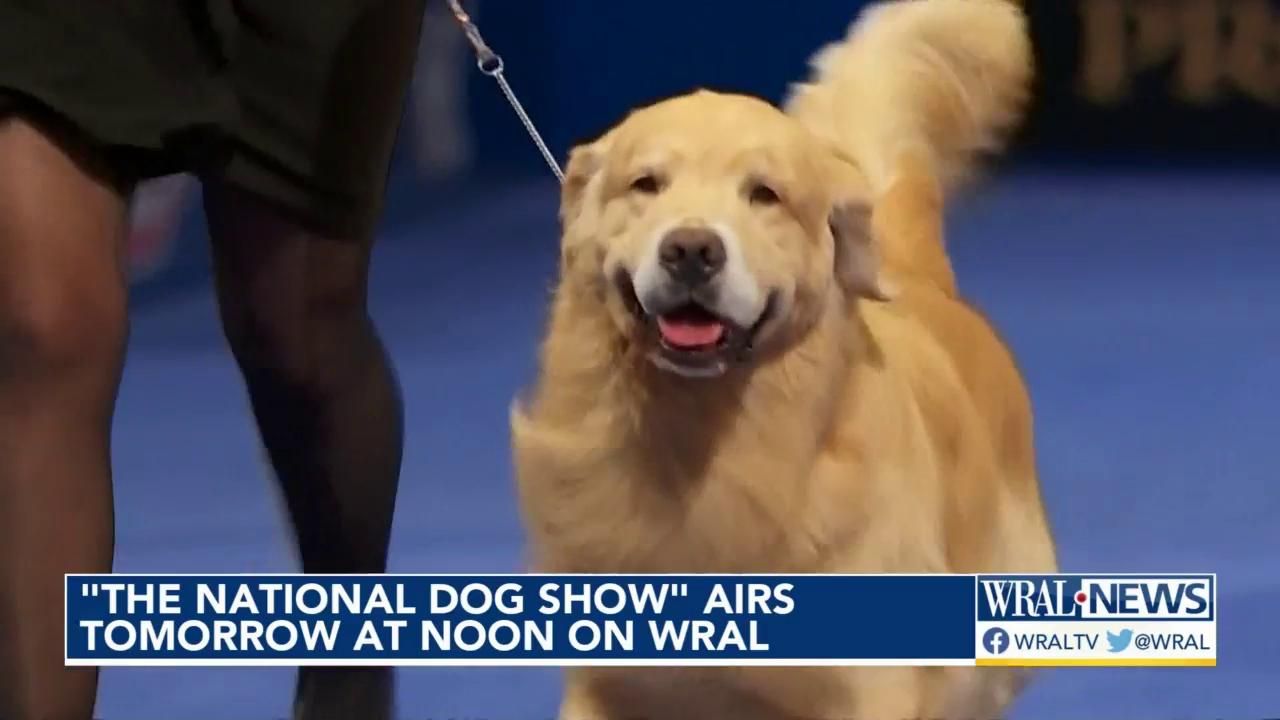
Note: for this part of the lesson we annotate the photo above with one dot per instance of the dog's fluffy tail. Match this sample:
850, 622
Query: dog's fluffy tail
914, 94
942, 78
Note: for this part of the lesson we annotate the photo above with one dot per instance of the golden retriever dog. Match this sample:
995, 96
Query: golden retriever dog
758, 361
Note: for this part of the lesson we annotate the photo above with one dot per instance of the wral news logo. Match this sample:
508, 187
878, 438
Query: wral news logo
1107, 597
1096, 619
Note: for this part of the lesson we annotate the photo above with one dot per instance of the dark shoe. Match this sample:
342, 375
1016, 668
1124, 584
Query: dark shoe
345, 694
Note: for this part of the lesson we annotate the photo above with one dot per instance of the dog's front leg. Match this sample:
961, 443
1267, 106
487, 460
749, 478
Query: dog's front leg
886, 693
580, 702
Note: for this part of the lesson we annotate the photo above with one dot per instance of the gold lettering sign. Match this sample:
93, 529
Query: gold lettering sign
1215, 49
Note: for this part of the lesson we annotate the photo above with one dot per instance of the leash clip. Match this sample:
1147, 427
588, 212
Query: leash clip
490, 63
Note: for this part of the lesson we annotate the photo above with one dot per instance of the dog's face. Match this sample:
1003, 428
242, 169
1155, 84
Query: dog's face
716, 226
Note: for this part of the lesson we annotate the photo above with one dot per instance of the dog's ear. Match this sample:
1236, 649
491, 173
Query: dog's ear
584, 165
857, 263
857, 257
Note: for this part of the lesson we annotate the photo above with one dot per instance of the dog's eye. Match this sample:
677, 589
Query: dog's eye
647, 184
759, 193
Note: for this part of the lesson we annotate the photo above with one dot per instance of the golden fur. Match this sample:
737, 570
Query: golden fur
882, 425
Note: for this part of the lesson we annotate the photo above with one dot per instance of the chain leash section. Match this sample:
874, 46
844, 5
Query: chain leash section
490, 63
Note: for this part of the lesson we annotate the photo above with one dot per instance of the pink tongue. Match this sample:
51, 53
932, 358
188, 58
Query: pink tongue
690, 333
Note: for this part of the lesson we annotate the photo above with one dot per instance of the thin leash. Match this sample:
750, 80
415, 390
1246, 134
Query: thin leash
490, 63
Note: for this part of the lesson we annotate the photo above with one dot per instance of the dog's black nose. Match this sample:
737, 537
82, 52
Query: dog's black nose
692, 255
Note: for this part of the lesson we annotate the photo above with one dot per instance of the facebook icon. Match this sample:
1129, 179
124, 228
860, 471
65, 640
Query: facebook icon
996, 641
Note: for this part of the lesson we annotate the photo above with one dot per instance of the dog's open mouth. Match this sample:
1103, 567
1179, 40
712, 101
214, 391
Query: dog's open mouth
690, 338
692, 328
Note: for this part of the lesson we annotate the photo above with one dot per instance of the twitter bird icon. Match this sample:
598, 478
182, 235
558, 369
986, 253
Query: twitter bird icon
1119, 641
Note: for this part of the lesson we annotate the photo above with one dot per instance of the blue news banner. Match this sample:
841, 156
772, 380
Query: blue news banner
524, 620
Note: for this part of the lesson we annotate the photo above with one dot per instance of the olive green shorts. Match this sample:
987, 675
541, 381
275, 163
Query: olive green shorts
296, 101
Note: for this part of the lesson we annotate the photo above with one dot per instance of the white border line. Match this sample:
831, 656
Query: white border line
498, 662
517, 574
553, 662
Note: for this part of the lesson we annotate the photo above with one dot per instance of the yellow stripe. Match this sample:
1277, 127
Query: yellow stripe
1099, 662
